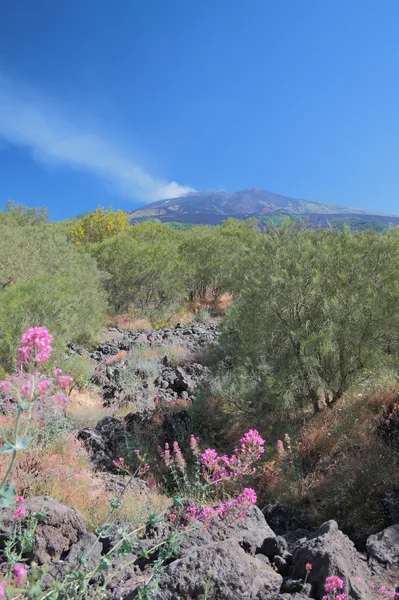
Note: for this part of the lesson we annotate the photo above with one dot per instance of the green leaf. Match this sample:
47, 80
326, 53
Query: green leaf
22, 443
7, 496
7, 448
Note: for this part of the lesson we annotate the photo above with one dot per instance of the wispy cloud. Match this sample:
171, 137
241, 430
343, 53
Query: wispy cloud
28, 121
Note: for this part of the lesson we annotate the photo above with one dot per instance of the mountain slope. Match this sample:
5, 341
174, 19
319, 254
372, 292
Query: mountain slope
214, 207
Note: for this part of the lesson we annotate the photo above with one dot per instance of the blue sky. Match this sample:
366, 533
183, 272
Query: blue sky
121, 103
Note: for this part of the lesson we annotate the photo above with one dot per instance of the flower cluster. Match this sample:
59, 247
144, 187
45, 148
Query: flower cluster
176, 460
194, 440
236, 509
63, 380
141, 470
385, 593
334, 585
20, 512
35, 341
216, 468
20, 574
23, 388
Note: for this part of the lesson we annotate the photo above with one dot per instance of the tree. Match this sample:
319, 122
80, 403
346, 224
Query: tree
45, 280
143, 266
317, 310
20, 214
98, 226
212, 256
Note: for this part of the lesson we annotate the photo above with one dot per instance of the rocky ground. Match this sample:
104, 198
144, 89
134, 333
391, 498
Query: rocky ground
175, 367
264, 557
244, 561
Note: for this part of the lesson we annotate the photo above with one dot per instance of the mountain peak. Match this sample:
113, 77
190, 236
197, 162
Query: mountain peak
213, 207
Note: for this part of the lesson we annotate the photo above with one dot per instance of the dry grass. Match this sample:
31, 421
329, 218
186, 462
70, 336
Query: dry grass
86, 407
340, 466
214, 307
115, 358
63, 471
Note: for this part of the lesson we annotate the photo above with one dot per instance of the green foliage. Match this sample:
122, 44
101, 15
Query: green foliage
359, 224
143, 266
20, 214
98, 226
214, 255
317, 313
45, 281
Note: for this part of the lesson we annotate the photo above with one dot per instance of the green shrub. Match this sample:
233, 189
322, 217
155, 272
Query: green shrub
45, 280
317, 314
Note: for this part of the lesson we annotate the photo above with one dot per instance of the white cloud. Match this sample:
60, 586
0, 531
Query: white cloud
27, 121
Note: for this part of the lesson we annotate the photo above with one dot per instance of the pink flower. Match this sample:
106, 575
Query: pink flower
166, 455
20, 513
172, 516
308, 566
333, 584
341, 597
64, 380
20, 573
19, 499
178, 457
6, 386
3, 586
37, 341
42, 386
137, 452
194, 445
280, 447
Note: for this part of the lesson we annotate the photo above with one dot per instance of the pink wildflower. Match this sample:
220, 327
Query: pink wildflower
36, 340
333, 584
308, 566
252, 444
178, 457
280, 447
3, 586
19, 499
20, 513
20, 572
64, 380
42, 386
194, 445
6, 386
172, 516
166, 455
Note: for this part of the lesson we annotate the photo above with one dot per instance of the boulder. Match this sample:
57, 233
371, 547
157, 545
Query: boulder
330, 552
63, 526
223, 571
383, 548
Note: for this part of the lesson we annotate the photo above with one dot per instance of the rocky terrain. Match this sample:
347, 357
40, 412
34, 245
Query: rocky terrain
269, 555
239, 561
171, 379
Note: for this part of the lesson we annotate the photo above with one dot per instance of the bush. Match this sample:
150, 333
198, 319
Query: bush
318, 313
98, 226
142, 267
44, 279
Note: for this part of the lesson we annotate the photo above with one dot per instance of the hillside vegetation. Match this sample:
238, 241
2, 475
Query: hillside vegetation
212, 331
